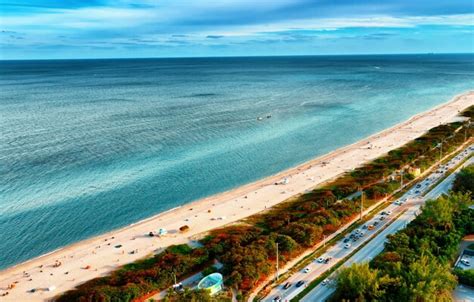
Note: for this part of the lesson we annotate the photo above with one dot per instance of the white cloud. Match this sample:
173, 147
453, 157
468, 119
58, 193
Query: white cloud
339, 23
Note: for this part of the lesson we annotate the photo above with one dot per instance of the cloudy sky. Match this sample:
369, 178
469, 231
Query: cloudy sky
45, 29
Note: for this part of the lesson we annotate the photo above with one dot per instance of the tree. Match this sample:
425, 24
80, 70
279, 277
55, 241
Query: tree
286, 243
304, 234
427, 280
188, 295
464, 181
360, 283
438, 213
465, 276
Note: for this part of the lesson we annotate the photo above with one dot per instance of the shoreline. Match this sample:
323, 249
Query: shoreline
196, 214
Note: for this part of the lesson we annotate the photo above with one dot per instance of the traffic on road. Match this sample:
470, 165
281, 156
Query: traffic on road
409, 203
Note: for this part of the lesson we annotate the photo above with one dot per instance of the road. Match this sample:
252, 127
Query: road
463, 293
411, 202
374, 247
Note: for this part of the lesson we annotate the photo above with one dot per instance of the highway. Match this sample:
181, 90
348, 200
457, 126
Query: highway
376, 246
411, 202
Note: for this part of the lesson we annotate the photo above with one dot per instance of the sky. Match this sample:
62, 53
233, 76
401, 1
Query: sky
63, 29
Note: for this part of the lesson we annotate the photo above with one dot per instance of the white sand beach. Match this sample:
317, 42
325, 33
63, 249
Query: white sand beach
100, 255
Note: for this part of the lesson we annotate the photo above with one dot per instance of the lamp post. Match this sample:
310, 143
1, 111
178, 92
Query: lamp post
401, 178
440, 145
465, 130
277, 262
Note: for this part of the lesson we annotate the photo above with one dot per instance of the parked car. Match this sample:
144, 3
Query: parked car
466, 262
327, 259
347, 246
287, 285
306, 270
277, 299
325, 282
346, 240
320, 259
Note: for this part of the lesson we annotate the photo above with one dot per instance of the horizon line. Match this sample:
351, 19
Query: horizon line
245, 56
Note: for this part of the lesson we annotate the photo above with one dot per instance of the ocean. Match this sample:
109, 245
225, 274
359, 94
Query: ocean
87, 146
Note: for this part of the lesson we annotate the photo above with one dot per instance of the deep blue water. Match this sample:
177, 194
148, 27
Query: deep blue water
87, 146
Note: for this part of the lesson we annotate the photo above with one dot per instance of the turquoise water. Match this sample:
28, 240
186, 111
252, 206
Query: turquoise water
87, 146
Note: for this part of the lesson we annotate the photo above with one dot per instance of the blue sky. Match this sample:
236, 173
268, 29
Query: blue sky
43, 29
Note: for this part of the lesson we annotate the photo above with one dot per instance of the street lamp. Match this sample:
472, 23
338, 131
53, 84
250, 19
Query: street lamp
277, 268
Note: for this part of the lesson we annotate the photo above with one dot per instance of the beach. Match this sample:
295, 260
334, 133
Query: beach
65, 268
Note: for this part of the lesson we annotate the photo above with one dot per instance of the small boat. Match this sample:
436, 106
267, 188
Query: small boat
259, 118
269, 116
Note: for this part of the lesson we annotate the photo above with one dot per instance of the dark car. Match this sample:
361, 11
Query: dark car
346, 240
327, 260
376, 223
299, 283
277, 299
287, 285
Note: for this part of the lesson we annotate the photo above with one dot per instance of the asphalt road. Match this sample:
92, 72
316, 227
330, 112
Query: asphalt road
337, 252
463, 293
376, 246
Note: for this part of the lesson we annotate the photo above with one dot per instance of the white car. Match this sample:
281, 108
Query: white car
389, 212
306, 270
347, 246
465, 262
325, 282
320, 259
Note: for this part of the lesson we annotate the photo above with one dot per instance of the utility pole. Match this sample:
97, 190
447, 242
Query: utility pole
277, 262
465, 130
440, 150
401, 179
